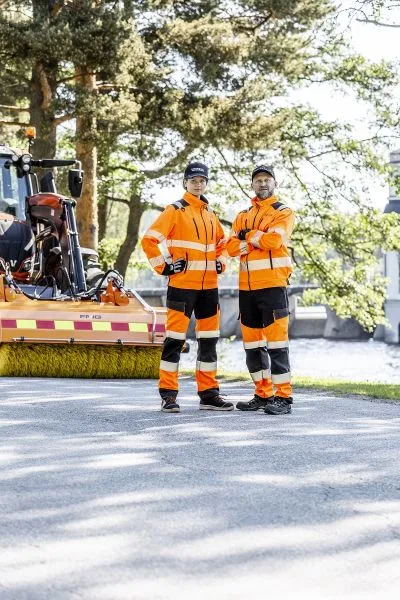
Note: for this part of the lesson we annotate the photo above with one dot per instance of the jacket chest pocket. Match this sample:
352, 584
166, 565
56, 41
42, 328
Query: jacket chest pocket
264, 222
203, 227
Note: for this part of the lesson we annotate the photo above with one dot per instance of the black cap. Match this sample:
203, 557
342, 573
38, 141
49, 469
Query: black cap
196, 169
263, 169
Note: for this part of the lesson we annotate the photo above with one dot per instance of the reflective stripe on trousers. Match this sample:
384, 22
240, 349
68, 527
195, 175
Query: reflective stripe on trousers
264, 317
180, 305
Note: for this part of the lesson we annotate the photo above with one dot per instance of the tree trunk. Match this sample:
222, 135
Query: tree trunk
86, 150
42, 93
43, 87
102, 217
136, 209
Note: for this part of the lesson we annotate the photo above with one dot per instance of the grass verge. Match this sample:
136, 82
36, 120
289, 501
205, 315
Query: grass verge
384, 391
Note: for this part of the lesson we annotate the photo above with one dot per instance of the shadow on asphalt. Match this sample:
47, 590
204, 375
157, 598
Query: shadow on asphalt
104, 496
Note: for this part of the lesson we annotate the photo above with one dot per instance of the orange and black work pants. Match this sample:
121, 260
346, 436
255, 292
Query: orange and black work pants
180, 304
264, 318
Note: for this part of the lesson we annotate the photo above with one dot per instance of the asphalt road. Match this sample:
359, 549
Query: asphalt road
103, 497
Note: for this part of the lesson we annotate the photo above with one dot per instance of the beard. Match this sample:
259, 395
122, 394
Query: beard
268, 192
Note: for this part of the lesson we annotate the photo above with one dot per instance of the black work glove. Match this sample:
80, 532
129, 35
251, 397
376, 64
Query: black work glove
176, 267
242, 234
218, 266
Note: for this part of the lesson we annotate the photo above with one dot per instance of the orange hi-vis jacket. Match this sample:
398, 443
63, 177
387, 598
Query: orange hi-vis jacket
264, 256
191, 230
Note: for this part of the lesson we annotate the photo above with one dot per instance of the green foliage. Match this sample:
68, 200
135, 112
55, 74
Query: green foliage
338, 252
221, 82
108, 250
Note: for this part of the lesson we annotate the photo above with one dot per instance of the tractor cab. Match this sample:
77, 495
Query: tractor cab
13, 189
16, 236
38, 234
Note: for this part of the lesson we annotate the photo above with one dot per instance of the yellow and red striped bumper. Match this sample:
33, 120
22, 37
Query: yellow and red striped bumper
35, 322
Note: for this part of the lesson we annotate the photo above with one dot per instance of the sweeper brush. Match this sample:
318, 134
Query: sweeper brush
60, 315
91, 362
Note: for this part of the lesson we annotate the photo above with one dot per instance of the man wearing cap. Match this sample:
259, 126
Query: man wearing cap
196, 245
260, 237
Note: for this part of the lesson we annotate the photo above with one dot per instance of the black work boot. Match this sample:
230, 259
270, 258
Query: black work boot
215, 403
257, 403
170, 404
278, 406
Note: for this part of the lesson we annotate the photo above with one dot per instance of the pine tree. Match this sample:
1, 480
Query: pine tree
152, 84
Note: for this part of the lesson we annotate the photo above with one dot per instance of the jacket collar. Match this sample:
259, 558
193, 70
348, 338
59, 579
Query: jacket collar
194, 201
263, 203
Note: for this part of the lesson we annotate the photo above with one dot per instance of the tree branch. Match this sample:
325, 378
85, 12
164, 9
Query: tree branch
171, 164
231, 172
63, 118
115, 199
164, 170
378, 23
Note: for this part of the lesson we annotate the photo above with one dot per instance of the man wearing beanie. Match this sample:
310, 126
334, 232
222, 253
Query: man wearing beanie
260, 237
196, 245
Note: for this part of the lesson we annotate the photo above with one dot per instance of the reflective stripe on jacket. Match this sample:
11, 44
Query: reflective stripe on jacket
264, 256
191, 230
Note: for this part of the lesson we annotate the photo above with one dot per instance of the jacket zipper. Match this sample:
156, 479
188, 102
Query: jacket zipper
255, 217
205, 229
270, 252
247, 259
197, 230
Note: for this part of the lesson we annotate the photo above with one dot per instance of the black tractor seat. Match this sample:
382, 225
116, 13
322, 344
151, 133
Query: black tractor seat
17, 246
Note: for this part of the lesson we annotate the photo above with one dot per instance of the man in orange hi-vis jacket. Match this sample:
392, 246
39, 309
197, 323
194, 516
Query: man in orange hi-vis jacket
260, 236
196, 244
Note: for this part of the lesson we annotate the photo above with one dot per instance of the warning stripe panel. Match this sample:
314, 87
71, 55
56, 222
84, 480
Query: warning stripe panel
45, 324
79, 325
120, 326
65, 325
83, 326
9, 323
26, 324
160, 327
138, 327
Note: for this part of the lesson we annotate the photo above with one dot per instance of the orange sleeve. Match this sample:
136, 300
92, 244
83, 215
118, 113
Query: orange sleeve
278, 232
156, 234
234, 246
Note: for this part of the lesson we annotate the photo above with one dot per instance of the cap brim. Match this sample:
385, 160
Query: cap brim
262, 171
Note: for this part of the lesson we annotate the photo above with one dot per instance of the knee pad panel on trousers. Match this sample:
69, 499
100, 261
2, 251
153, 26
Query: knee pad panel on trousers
172, 349
279, 360
207, 349
257, 359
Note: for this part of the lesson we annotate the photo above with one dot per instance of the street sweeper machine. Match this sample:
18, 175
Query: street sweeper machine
60, 314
